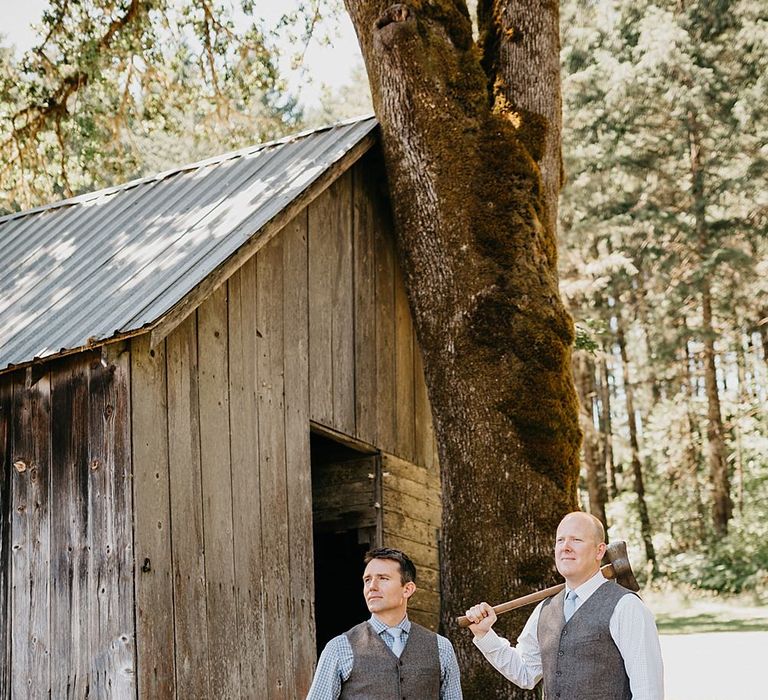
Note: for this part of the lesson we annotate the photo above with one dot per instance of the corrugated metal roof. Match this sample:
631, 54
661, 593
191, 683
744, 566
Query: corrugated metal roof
112, 262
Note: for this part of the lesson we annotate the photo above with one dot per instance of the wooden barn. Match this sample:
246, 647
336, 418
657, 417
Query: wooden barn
211, 404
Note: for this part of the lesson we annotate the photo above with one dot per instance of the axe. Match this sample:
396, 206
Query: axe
618, 568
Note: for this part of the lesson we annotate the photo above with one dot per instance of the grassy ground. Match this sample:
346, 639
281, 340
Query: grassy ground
682, 611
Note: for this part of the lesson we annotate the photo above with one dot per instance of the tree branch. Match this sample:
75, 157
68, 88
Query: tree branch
56, 105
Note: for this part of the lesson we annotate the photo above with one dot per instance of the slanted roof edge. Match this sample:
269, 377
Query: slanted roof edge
247, 150
165, 324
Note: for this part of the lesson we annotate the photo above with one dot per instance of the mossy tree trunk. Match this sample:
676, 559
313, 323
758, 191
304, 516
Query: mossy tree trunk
474, 172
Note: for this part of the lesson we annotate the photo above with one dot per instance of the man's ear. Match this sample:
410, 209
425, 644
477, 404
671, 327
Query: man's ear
601, 550
409, 589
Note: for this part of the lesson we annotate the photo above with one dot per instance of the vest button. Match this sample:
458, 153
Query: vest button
558, 673
565, 632
561, 653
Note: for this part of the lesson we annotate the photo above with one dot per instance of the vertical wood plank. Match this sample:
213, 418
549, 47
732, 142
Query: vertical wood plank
269, 324
404, 374
297, 457
425, 434
246, 508
217, 494
30, 527
6, 435
110, 528
365, 303
342, 306
152, 522
321, 261
385, 336
187, 513
69, 536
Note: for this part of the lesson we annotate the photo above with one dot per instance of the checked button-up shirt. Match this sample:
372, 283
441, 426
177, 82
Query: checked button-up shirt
335, 664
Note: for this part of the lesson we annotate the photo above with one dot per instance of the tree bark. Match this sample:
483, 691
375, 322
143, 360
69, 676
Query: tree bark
637, 467
694, 440
640, 298
722, 506
762, 325
584, 374
606, 426
478, 251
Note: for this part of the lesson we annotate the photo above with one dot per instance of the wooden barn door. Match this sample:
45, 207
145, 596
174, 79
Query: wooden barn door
346, 515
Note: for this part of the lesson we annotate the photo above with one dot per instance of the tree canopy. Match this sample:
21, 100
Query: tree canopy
113, 89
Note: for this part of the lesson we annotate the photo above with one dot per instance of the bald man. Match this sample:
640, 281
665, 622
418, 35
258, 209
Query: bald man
594, 639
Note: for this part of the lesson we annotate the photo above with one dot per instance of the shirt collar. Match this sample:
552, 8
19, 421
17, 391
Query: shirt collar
379, 626
589, 586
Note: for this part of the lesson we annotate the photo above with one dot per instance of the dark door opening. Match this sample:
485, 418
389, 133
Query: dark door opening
339, 602
346, 518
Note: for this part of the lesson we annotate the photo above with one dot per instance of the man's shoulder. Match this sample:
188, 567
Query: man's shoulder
416, 627
613, 590
443, 643
632, 602
338, 643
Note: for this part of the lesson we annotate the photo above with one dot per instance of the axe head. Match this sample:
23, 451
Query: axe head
616, 553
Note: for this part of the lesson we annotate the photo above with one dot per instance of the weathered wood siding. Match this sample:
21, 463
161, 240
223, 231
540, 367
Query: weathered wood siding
6, 419
314, 328
180, 474
411, 522
67, 535
223, 495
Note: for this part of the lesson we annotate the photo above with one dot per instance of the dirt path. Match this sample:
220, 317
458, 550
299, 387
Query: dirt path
716, 666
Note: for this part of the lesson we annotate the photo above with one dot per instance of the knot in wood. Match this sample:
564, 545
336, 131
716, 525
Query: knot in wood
20, 466
393, 14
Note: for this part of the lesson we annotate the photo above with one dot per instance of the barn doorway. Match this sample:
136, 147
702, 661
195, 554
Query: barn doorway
346, 519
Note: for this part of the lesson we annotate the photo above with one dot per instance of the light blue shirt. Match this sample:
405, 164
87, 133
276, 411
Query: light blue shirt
335, 664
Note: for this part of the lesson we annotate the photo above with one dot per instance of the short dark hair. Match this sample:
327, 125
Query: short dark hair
407, 569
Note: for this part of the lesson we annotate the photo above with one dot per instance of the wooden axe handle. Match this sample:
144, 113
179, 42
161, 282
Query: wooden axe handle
463, 621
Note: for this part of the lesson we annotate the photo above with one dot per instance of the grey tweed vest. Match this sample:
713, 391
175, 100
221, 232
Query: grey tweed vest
377, 674
579, 658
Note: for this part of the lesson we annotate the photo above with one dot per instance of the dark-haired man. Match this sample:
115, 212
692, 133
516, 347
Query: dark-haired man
593, 639
387, 657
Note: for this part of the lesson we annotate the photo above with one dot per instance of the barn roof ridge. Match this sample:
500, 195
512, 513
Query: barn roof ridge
163, 174
141, 256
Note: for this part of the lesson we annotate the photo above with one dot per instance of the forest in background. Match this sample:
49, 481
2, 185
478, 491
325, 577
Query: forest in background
663, 220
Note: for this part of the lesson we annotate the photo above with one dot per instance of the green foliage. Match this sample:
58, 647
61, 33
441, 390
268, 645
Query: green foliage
116, 88
735, 564
588, 335
662, 209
